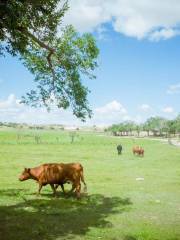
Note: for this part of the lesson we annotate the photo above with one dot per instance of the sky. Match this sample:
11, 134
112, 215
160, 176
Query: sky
139, 65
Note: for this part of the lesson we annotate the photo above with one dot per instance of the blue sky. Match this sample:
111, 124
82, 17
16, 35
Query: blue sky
138, 74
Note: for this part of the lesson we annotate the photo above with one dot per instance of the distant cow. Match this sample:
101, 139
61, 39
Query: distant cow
56, 174
119, 149
137, 150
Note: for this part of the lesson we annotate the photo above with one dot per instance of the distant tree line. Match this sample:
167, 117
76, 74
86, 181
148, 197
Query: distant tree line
154, 126
32, 127
12, 125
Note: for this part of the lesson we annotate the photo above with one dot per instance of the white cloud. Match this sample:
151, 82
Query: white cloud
168, 110
164, 34
174, 89
12, 111
87, 15
112, 107
102, 33
155, 19
10, 103
145, 108
113, 112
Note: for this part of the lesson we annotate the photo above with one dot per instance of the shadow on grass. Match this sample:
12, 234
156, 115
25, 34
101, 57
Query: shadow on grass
130, 238
23, 192
48, 219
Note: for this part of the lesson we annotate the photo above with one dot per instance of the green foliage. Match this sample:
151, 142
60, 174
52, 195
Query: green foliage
127, 126
157, 125
20, 17
171, 125
29, 29
177, 123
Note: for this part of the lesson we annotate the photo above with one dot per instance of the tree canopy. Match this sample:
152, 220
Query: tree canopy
157, 125
58, 57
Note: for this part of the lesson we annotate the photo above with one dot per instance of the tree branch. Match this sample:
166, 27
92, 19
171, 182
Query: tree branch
43, 45
34, 38
51, 68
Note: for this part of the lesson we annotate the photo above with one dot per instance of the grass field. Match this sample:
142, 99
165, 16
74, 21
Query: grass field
119, 204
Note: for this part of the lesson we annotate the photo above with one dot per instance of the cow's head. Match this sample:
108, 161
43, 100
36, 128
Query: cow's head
25, 175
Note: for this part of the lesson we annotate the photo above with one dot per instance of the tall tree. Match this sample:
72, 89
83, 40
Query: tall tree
138, 128
58, 57
155, 124
178, 123
171, 125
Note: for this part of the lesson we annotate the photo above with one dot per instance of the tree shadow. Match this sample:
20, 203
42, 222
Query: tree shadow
130, 238
48, 219
22, 192
48, 194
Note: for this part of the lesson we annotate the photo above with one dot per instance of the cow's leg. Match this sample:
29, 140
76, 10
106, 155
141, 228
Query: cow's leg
62, 187
54, 189
39, 190
78, 191
82, 179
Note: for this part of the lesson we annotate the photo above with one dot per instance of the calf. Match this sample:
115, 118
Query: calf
119, 149
141, 151
56, 173
138, 150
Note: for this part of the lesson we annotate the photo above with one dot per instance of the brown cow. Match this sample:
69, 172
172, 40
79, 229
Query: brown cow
141, 152
56, 173
78, 167
138, 150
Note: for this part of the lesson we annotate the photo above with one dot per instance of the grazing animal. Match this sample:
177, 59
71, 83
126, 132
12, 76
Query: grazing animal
141, 151
137, 150
58, 174
119, 149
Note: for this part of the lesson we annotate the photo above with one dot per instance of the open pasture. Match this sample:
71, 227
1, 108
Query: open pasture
129, 197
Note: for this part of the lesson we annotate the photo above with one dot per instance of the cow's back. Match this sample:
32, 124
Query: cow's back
56, 173
52, 173
71, 171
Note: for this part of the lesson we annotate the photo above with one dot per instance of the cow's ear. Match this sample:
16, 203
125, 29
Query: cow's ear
27, 169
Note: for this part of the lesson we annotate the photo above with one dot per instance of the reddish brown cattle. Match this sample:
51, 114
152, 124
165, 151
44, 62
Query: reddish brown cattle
78, 168
137, 150
56, 173
141, 151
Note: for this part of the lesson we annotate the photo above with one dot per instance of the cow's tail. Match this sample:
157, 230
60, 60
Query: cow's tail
82, 180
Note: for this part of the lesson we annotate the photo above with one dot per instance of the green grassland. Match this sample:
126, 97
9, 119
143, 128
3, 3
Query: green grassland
119, 204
